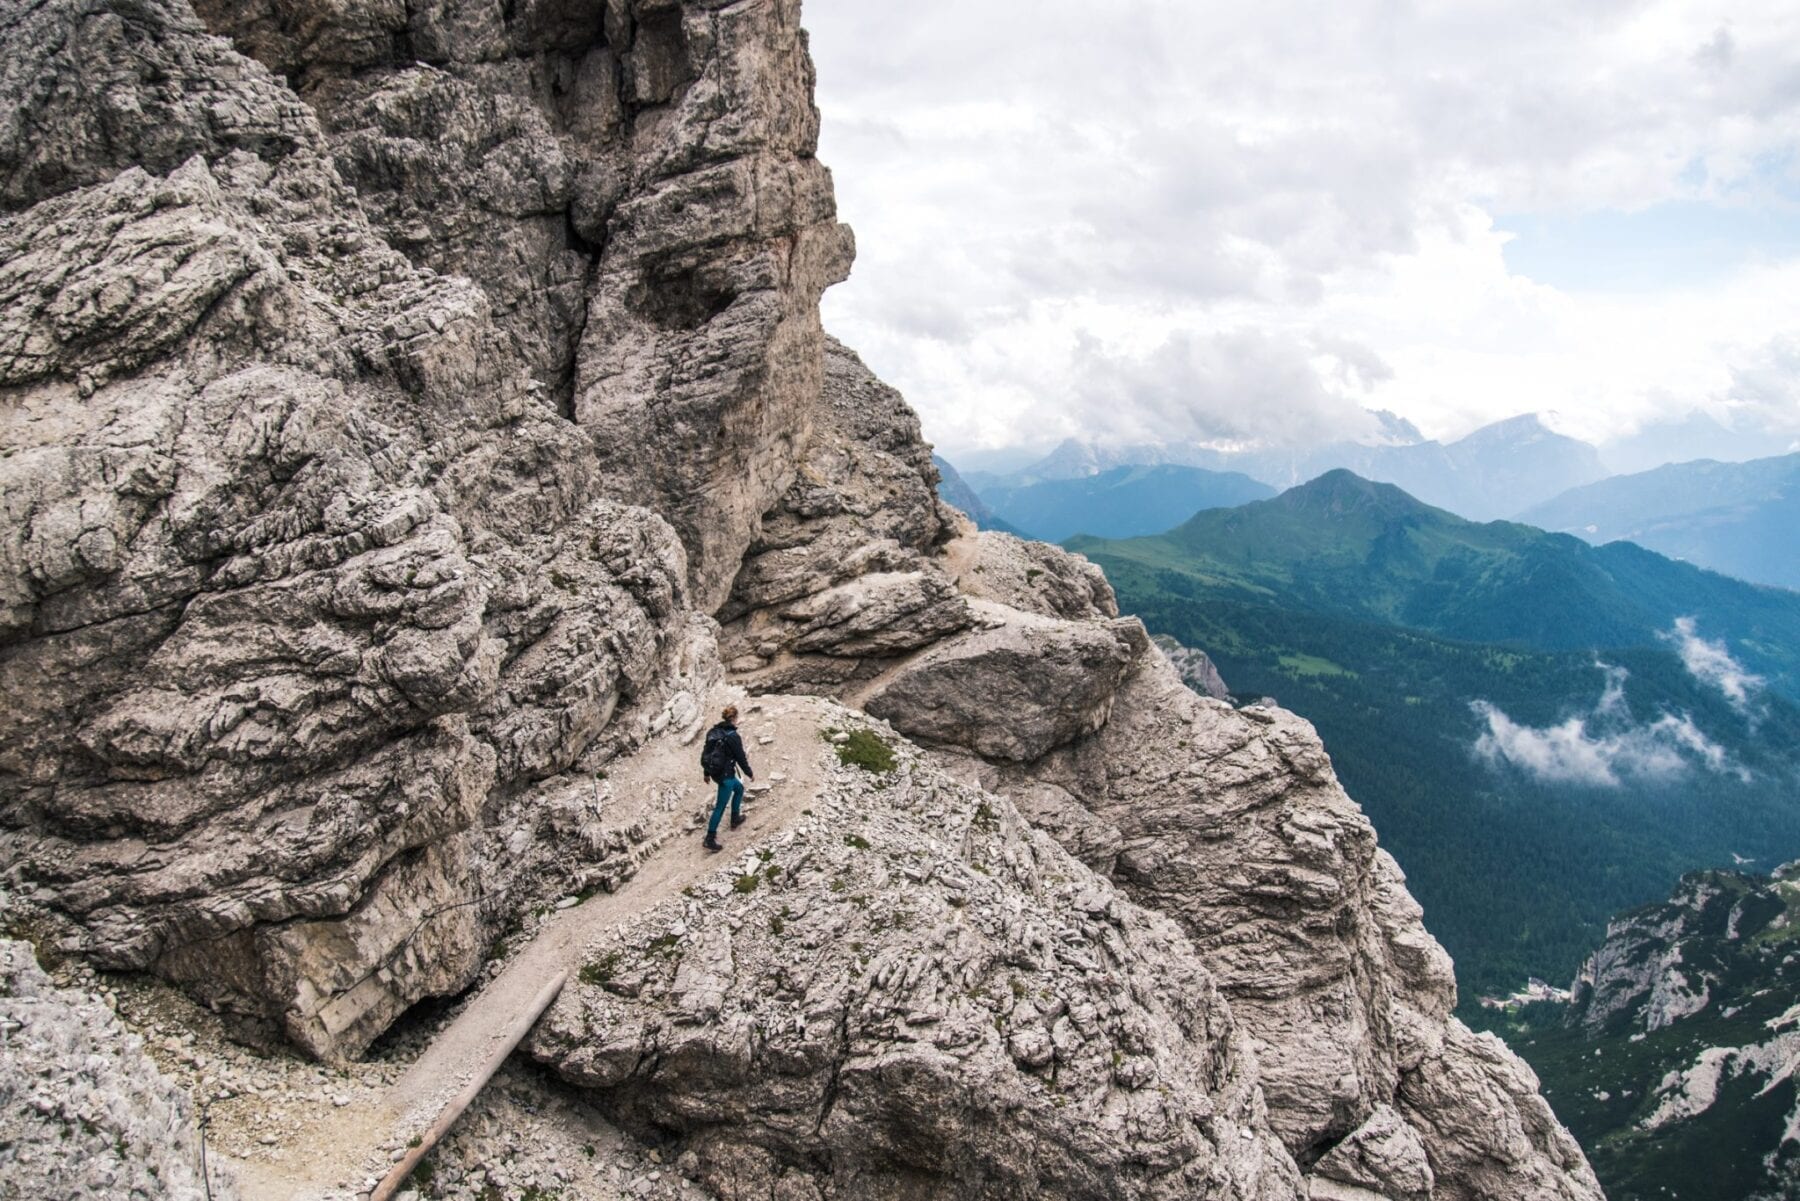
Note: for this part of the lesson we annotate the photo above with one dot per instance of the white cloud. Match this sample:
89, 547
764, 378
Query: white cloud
1234, 386
1711, 663
1024, 176
1601, 748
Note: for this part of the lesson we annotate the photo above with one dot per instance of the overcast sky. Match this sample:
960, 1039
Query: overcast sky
1167, 220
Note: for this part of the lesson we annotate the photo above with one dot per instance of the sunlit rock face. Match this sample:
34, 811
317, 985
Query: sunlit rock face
367, 451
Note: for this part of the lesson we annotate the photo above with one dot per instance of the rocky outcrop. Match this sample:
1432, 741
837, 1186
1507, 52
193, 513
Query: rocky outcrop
1664, 963
1033, 577
1014, 689
303, 569
84, 1113
1232, 822
633, 185
842, 579
915, 993
1195, 667
1682, 1035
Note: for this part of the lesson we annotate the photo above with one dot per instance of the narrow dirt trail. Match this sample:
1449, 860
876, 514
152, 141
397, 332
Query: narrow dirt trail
345, 1144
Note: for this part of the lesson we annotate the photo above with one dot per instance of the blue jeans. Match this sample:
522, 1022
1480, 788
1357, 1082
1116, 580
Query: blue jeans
730, 789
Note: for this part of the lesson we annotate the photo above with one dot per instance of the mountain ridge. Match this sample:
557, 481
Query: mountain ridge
1110, 502
1491, 472
1738, 518
1673, 1056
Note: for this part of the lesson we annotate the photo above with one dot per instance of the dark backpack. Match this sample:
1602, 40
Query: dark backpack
715, 754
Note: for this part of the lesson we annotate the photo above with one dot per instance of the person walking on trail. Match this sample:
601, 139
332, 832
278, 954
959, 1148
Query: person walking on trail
721, 755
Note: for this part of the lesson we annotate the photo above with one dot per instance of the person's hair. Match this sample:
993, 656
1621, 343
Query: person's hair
729, 713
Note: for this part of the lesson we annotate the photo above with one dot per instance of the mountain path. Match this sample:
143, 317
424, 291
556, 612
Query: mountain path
344, 1144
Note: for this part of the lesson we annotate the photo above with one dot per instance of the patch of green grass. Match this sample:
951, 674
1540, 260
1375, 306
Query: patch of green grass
857, 841
746, 884
423, 1175
1312, 665
868, 750
599, 972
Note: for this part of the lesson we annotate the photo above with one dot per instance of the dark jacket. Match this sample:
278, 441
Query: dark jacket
734, 747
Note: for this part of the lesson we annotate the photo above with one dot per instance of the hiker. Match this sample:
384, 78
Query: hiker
720, 757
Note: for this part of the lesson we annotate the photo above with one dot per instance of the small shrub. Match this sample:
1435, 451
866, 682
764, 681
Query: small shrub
746, 884
599, 971
857, 841
868, 750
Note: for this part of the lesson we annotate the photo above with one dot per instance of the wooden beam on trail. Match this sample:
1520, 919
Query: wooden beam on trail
514, 1034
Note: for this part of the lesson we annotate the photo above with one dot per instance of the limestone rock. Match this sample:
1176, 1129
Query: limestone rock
1013, 690
974, 1013
1384, 1155
1195, 667
1488, 1131
300, 573
1034, 577
860, 519
84, 1113
1233, 822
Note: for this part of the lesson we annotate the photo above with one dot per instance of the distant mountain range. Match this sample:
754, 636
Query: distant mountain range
955, 491
1493, 472
1674, 1062
1544, 731
1693, 436
1739, 518
1121, 501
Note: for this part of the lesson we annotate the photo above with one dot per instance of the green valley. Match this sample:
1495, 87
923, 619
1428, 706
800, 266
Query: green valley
1544, 732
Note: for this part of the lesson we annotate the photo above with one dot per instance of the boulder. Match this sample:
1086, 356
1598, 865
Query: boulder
1014, 689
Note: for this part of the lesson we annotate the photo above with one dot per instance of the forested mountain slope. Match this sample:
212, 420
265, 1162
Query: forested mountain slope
1546, 732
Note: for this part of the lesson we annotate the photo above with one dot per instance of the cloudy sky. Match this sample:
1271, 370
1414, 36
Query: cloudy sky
1171, 219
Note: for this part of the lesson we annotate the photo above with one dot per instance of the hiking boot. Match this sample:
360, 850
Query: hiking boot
737, 819
711, 843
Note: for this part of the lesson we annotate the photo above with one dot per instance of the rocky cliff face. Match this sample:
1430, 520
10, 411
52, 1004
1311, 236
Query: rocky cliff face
1680, 1039
393, 396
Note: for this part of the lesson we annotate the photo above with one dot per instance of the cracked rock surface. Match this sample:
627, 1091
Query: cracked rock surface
84, 1112
914, 992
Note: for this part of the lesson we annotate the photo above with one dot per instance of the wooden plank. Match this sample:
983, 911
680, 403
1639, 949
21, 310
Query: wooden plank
514, 1034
